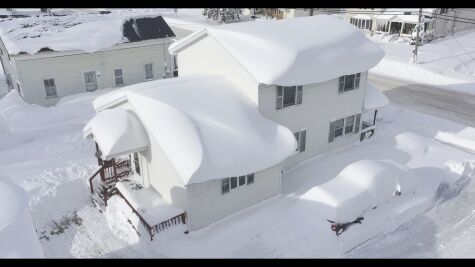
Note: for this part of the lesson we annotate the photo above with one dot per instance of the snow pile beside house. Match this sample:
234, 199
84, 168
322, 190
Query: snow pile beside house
361, 186
15, 112
18, 238
374, 98
302, 50
211, 117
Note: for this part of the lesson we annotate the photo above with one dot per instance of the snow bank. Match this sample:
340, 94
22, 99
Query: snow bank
18, 237
117, 132
361, 186
217, 130
297, 51
15, 112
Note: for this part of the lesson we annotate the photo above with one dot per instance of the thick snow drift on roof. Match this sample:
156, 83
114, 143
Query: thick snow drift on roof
73, 32
18, 238
297, 51
117, 132
361, 186
374, 98
206, 126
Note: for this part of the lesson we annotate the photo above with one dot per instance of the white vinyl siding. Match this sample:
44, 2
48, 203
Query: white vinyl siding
68, 70
50, 88
349, 82
148, 71
322, 103
207, 204
118, 76
288, 96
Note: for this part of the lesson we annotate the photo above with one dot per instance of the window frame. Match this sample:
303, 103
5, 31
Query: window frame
49, 88
354, 126
342, 82
298, 136
226, 183
281, 96
145, 71
342, 128
121, 76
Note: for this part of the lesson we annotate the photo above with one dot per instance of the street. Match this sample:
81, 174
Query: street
454, 106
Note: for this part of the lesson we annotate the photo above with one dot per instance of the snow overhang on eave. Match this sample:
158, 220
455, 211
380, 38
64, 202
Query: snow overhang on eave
117, 132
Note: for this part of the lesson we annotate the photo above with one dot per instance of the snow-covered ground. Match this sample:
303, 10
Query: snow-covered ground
42, 150
448, 62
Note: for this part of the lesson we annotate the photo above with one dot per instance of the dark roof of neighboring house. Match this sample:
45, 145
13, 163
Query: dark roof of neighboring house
146, 28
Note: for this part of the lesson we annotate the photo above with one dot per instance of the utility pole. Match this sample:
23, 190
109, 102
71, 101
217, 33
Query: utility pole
311, 11
455, 19
417, 36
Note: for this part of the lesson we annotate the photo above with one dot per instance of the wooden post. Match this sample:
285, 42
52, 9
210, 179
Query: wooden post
374, 120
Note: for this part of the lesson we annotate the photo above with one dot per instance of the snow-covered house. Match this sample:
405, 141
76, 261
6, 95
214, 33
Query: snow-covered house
47, 57
308, 74
195, 145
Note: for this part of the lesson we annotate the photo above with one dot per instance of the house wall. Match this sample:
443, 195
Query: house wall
8, 65
157, 171
321, 104
208, 56
206, 203
67, 69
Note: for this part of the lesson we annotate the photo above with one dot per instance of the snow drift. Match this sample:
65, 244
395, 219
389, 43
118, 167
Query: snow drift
361, 186
18, 238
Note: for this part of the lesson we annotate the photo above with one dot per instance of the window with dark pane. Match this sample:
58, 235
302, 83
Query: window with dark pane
242, 180
233, 182
225, 185
250, 178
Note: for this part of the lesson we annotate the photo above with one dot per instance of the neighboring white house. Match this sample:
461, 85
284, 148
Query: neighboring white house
308, 74
252, 100
47, 57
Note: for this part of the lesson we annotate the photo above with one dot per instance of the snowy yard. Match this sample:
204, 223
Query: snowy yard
55, 161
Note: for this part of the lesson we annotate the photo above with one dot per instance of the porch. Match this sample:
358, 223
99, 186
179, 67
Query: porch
374, 99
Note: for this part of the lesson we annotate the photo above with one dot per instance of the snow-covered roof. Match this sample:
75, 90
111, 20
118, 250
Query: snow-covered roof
205, 125
83, 32
297, 51
374, 98
361, 16
117, 132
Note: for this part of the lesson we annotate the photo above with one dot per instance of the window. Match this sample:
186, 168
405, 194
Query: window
349, 82
288, 96
148, 71
339, 127
242, 180
233, 182
137, 163
230, 183
225, 186
50, 88
250, 178
348, 125
301, 138
119, 77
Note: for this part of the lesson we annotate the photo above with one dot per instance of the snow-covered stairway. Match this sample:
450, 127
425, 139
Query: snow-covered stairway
110, 172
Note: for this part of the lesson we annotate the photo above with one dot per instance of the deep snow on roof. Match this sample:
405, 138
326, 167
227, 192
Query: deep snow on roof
117, 132
374, 98
87, 32
297, 51
206, 126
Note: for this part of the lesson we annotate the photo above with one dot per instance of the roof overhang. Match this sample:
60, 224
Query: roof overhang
117, 132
